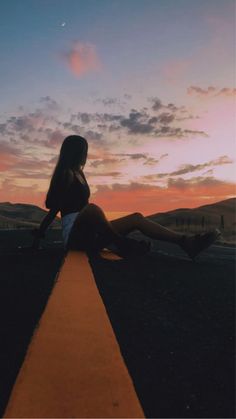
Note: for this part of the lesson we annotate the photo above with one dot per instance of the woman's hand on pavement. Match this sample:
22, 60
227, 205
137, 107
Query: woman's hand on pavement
37, 237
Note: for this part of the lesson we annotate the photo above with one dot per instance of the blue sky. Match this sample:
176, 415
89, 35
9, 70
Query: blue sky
132, 38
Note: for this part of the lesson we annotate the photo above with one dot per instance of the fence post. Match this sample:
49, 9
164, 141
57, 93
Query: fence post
222, 223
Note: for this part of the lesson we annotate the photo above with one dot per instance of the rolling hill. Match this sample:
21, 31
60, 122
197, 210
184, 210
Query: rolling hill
22, 216
221, 214
212, 212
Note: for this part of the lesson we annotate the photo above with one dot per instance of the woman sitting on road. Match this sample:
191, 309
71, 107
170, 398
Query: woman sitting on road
85, 226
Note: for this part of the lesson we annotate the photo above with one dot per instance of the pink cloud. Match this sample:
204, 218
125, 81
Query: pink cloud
55, 138
82, 59
226, 91
175, 70
211, 91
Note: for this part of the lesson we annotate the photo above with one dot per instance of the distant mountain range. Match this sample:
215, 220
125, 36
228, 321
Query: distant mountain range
23, 216
30, 216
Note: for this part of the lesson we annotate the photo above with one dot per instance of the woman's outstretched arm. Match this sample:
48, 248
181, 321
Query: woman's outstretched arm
39, 233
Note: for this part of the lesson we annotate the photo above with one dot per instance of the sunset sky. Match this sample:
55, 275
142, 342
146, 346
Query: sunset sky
149, 83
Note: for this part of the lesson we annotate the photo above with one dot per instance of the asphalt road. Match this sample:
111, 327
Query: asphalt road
217, 251
18, 239
214, 252
26, 281
174, 320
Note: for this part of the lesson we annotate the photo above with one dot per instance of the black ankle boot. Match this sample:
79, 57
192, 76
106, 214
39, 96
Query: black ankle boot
100, 240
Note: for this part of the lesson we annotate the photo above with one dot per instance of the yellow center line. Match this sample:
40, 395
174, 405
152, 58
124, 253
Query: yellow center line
73, 366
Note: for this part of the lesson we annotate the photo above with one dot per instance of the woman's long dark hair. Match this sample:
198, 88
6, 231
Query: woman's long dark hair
73, 155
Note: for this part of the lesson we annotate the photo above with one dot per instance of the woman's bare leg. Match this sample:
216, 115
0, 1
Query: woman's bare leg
92, 232
192, 245
90, 222
137, 221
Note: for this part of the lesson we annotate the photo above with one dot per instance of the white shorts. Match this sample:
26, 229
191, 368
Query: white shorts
67, 223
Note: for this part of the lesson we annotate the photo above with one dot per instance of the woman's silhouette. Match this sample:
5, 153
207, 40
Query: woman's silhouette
84, 224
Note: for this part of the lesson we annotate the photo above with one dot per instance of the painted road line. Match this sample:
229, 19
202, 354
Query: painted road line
73, 366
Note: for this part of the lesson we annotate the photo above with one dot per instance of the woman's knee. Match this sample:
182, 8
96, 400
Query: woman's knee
92, 210
92, 205
137, 216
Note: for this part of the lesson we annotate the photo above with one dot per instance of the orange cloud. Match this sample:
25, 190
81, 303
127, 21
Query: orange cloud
10, 192
150, 199
147, 199
9, 156
82, 59
175, 70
